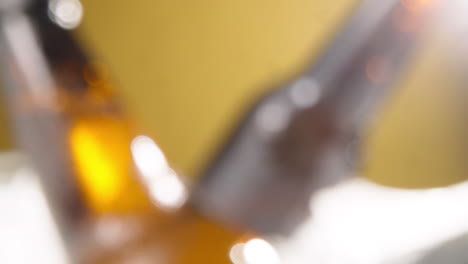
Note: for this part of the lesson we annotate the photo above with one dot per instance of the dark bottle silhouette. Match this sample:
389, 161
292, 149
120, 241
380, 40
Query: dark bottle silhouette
305, 135
107, 184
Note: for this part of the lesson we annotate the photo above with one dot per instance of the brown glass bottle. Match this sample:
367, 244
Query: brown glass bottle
77, 136
305, 135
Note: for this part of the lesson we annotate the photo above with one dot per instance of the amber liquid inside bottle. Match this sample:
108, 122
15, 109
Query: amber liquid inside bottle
100, 137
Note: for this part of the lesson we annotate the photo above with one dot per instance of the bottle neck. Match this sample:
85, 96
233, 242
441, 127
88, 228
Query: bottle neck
51, 68
65, 58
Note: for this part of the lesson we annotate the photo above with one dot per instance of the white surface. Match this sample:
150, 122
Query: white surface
27, 232
358, 222
354, 222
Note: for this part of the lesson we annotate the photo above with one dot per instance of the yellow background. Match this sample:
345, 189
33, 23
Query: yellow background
188, 69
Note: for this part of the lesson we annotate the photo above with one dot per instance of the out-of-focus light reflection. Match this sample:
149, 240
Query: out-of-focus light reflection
236, 254
148, 157
272, 118
168, 190
259, 251
254, 251
405, 21
113, 232
418, 5
165, 187
453, 22
305, 92
66, 13
377, 69
361, 222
